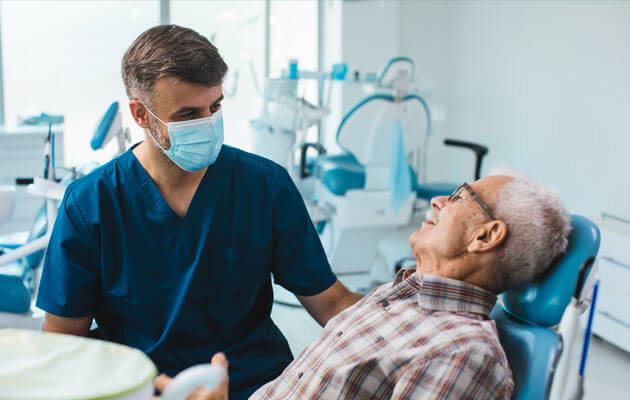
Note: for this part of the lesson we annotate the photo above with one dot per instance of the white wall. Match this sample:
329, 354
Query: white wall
545, 84
362, 34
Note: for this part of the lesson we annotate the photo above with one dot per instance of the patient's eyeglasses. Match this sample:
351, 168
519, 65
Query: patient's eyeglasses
466, 187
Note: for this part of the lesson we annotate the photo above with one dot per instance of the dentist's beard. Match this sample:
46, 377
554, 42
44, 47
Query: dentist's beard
158, 136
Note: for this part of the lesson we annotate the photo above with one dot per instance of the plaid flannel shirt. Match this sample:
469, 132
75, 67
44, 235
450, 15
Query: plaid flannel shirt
422, 337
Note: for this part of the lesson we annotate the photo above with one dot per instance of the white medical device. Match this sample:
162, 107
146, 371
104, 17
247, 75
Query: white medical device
281, 129
207, 375
41, 365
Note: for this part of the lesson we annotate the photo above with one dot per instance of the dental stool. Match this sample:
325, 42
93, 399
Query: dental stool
527, 313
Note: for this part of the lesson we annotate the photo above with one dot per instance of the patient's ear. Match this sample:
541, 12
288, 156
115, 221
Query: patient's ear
488, 237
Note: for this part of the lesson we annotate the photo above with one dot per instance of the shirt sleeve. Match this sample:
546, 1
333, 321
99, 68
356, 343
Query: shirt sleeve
459, 375
299, 261
69, 282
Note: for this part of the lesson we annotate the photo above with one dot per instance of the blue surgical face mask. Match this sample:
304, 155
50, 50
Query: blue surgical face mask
195, 144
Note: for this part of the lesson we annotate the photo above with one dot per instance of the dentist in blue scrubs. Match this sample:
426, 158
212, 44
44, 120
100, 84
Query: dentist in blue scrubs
172, 246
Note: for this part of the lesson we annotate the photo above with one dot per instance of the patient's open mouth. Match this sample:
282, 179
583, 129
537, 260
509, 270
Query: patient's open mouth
431, 217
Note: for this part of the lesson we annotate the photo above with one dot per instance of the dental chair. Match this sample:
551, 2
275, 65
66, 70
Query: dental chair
19, 263
526, 314
354, 187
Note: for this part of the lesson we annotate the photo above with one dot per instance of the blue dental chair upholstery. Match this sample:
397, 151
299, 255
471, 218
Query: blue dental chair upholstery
340, 173
527, 312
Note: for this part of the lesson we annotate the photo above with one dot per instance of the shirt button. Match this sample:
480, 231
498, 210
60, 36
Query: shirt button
339, 333
300, 375
384, 303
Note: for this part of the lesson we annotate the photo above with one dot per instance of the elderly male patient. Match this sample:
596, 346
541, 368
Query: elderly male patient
427, 335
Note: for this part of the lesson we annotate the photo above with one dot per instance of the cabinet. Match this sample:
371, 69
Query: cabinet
612, 319
22, 155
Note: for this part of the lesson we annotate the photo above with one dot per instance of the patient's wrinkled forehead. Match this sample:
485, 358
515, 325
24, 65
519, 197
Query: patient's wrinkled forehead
488, 187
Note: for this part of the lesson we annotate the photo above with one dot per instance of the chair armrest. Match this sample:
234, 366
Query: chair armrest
479, 150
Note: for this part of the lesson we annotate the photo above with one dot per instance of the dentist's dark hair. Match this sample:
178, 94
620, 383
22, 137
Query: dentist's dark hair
170, 50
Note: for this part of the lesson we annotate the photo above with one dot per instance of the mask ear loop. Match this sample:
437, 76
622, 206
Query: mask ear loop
150, 134
151, 112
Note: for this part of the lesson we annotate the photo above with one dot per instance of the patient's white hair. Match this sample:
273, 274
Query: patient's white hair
538, 228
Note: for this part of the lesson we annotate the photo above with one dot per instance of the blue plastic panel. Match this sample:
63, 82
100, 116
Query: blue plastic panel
103, 127
14, 296
433, 189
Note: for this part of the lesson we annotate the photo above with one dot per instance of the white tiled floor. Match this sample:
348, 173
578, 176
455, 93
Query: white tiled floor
607, 373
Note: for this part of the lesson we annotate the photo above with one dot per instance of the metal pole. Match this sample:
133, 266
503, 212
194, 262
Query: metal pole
165, 12
267, 38
1, 78
320, 62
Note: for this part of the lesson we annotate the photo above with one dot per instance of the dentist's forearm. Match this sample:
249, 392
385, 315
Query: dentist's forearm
330, 302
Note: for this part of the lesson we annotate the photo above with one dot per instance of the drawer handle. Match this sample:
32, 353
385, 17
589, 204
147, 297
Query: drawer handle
618, 263
617, 320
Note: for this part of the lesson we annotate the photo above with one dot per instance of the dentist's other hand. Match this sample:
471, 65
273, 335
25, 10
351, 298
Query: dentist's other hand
201, 393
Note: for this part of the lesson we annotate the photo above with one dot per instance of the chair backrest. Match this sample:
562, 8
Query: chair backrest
367, 129
522, 320
107, 127
532, 352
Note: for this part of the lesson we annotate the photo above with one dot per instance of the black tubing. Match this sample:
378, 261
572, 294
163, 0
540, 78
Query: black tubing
304, 173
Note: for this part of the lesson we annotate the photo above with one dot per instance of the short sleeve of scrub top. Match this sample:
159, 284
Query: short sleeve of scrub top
70, 281
300, 263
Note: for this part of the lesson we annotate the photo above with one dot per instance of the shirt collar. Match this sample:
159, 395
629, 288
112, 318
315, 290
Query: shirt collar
437, 293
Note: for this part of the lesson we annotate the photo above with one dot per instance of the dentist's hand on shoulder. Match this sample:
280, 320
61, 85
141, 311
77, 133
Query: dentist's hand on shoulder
201, 393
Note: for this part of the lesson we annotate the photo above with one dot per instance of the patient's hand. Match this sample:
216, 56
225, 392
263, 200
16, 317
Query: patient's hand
201, 393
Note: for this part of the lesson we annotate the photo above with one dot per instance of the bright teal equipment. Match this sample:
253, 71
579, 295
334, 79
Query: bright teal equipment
527, 313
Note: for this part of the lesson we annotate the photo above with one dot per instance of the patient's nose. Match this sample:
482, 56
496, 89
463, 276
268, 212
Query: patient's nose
438, 203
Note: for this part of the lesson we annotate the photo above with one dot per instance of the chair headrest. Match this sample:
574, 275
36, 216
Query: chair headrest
390, 70
366, 131
543, 302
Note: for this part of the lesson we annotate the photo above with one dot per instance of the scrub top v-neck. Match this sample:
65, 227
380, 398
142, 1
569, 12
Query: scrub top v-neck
182, 289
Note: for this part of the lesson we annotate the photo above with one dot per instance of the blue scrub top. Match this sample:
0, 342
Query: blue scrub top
183, 289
